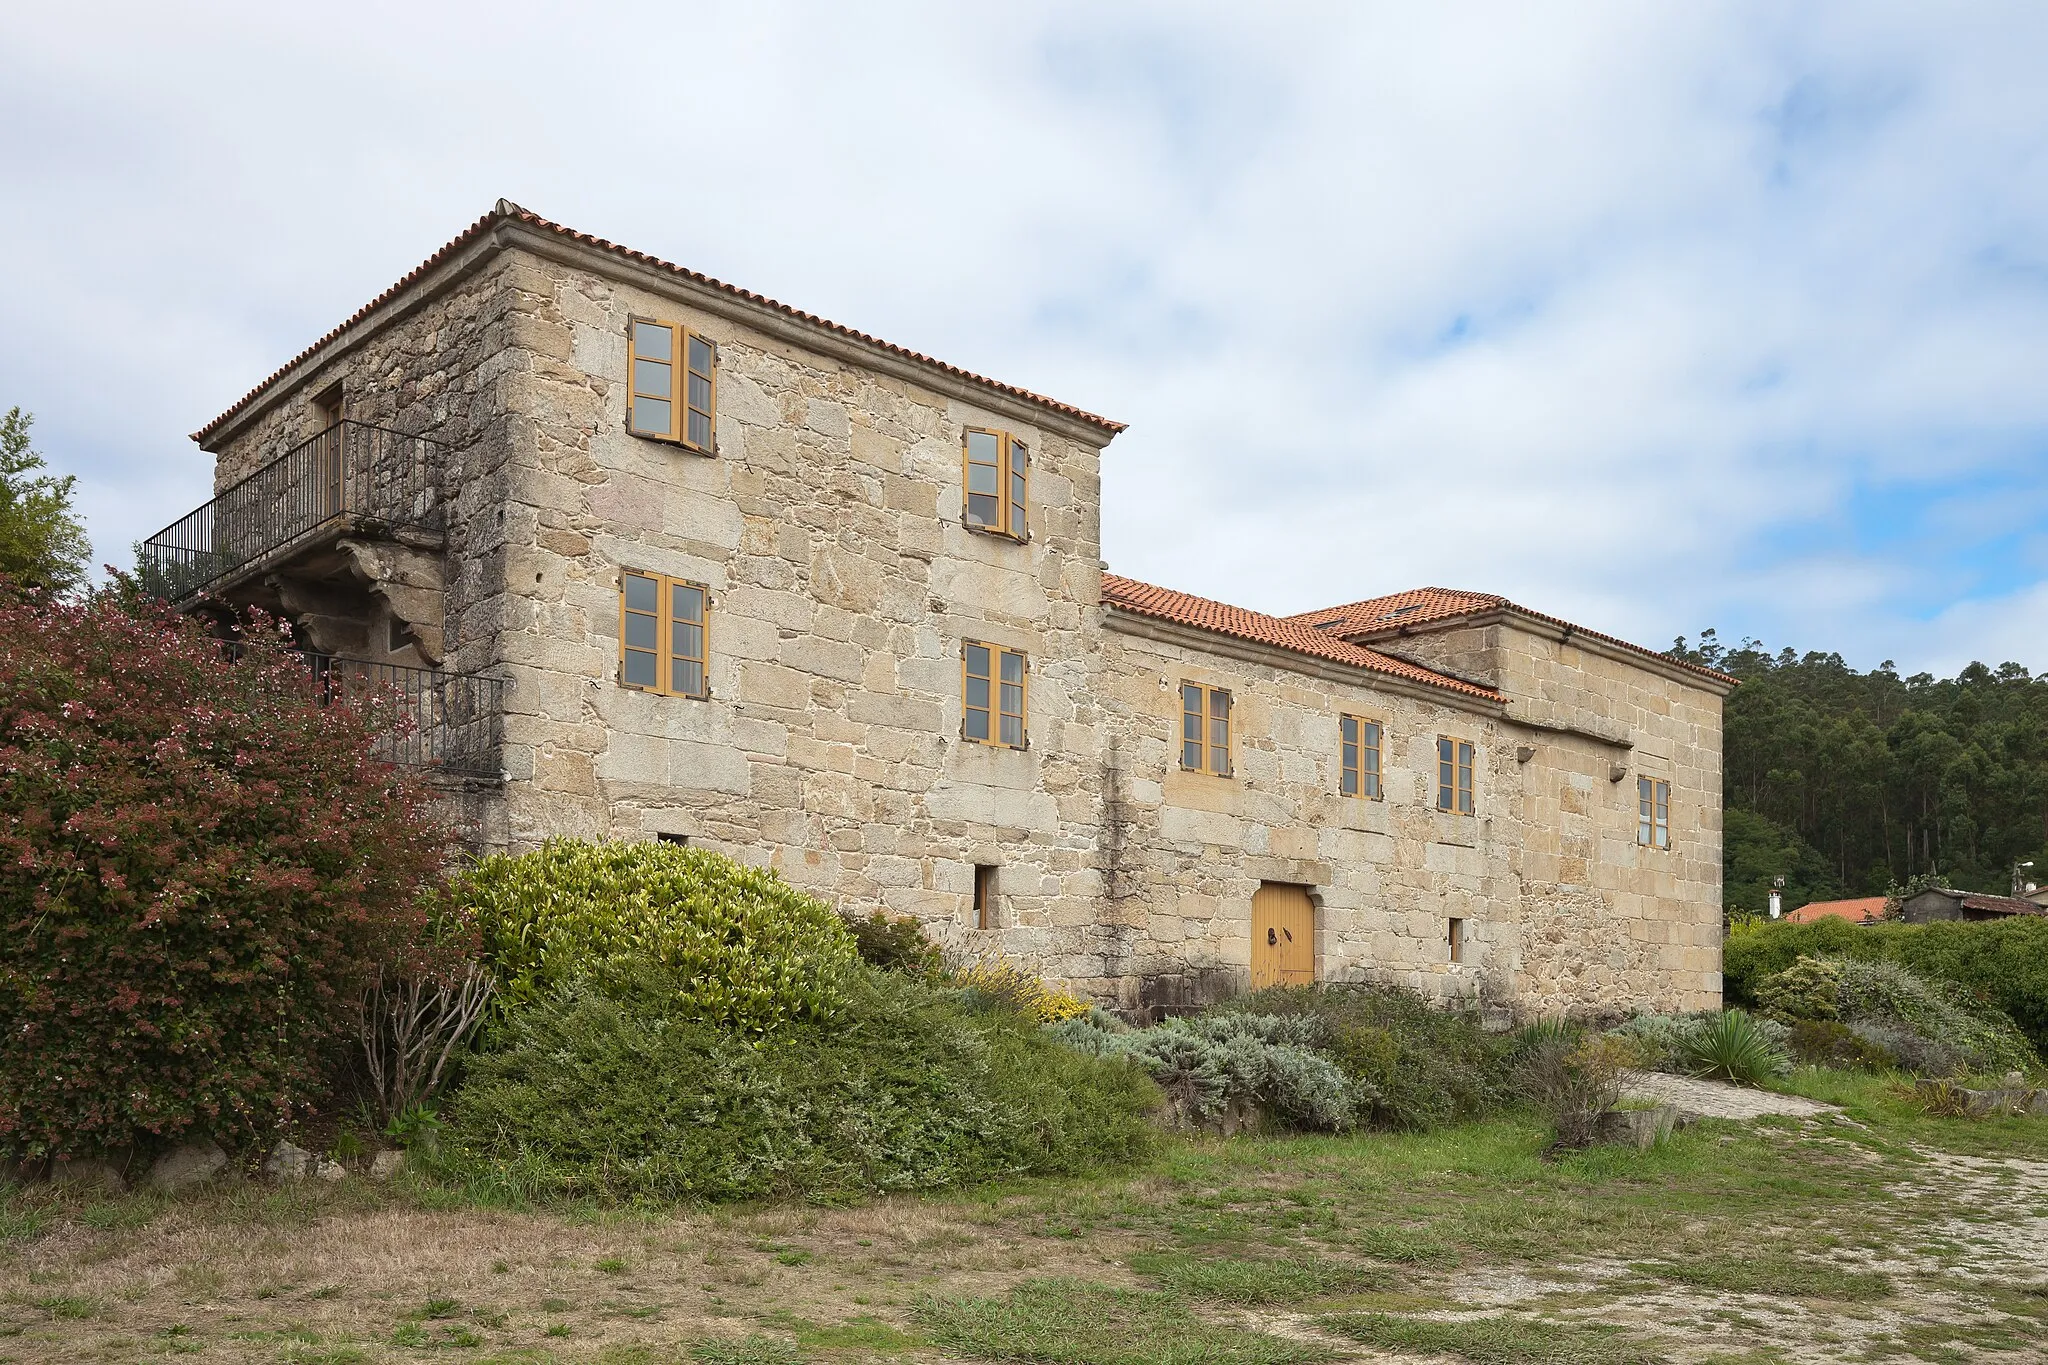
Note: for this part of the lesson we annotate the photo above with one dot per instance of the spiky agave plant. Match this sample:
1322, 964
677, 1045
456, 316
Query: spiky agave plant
1733, 1046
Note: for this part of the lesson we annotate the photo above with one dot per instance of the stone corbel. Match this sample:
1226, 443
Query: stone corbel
410, 583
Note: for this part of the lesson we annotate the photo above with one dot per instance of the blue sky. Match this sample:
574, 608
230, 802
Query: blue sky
1654, 317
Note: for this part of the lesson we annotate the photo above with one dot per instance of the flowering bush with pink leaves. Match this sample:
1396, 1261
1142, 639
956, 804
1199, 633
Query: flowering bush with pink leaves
201, 861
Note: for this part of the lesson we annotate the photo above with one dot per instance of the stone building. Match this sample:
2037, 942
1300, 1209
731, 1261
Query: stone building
658, 557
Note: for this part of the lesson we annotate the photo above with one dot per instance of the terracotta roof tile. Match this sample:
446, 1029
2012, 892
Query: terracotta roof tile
506, 211
1861, 910
1376, 617
1280, 632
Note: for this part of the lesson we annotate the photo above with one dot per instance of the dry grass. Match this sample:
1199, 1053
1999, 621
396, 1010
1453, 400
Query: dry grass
1788, 1242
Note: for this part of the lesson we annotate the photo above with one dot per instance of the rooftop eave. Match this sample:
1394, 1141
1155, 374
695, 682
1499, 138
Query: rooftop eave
508, 225
1126, 621
1706, 679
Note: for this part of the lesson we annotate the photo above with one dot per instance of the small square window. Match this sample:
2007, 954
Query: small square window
679, 840
985, 896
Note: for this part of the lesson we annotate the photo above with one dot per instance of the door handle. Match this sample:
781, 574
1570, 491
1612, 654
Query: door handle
1272, 939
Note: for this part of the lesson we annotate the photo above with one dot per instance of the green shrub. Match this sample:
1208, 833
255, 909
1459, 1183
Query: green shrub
1805, 990
1830, 1042
1662, 1041
1410, 1064
1733, 1046
894, 944
744, 948
1885, 995
608, 1093
2003, 963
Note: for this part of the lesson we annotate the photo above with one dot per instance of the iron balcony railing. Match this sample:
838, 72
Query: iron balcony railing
451, 722
351, 471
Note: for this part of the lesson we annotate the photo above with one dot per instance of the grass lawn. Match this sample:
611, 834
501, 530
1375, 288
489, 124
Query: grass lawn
1895, 1237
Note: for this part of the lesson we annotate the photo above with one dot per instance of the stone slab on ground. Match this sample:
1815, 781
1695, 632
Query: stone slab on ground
1698, 1099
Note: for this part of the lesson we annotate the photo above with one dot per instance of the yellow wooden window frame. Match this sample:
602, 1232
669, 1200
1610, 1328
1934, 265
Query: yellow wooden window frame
1359, 742
1454, 775
1002, 725
1205, 721
1653, 812
658, 658
1012, 466
688, 396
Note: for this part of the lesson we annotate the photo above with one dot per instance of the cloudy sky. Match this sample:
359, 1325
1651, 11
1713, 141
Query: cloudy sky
1652, 316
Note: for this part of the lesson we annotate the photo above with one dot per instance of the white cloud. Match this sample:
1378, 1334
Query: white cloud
1654, 316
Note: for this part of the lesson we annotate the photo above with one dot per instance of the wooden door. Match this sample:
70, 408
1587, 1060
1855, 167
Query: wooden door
1283, 936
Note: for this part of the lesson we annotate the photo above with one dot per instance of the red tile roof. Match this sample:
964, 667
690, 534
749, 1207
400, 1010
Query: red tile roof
507, 211
1185, 609
1380, 616
1861, 910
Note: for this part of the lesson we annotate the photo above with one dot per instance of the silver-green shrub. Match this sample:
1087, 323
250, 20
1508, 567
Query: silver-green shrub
1208, 1064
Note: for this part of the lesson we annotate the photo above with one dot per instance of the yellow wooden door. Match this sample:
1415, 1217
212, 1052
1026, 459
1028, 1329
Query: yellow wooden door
1283, 936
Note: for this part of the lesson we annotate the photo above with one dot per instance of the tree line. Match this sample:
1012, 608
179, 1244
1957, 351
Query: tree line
1846, 783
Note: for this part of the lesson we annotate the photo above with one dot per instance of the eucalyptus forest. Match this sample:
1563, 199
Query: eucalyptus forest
1846, 783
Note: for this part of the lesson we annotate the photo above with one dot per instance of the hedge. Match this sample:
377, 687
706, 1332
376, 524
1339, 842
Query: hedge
2002, 962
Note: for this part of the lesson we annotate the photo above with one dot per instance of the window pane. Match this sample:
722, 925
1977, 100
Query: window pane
1013, 730
686, 641
639, 631
653, 341
1013, 699
981, 478
1348, 728
640, 592
1348, 784
982, 511
1013, 668
1664, 838
700, 355
1017, 489
1465, 801
689, 678
1643, 835
977, 692
1191, 755
653, 381
700, 393
700, 431
639, 668
651, 415
1372, 737
1019, 456
977, 660
688, 603
1372, 785
983, 447
977, 724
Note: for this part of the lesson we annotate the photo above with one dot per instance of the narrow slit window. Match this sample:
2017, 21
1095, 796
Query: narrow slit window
679, 840
1359, 746
674, 384
1454, 775
996, 693
1455, 938
997, 483
1205, 729
664, 634
985, 896
1653, 812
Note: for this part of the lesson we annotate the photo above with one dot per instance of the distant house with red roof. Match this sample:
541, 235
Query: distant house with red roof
1860, 910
